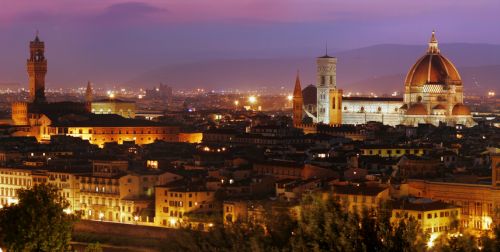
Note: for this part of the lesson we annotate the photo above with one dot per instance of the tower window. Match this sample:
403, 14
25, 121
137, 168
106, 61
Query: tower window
323, 81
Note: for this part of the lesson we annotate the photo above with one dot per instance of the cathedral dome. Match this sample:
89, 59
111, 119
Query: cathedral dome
460, 110
433, 68
417, 109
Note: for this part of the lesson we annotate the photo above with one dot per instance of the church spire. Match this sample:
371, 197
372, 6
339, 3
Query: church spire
298, 102
433, 44
297, 91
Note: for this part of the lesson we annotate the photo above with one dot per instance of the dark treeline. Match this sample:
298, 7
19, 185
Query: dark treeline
324, 226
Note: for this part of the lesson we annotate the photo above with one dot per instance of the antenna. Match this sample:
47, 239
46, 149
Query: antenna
326, 48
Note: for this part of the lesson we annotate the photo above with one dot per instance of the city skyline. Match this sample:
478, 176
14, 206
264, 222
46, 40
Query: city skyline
113, 42
249, 125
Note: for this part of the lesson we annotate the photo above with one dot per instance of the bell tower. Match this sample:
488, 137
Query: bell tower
37, 68
326, 79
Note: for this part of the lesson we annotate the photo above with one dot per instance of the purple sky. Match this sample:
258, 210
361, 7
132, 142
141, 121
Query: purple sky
112, 41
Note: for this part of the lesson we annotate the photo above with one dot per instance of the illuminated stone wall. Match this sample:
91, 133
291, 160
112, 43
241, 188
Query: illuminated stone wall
118, 107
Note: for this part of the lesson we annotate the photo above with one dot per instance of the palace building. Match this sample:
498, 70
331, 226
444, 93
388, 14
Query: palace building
433, 95
99, 122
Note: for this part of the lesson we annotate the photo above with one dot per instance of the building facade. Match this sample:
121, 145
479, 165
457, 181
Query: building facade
434, 91
433, 94
114, 106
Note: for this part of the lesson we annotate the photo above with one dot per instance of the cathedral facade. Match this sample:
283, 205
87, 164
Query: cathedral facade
433, 95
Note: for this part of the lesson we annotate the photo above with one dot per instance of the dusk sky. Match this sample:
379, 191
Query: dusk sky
113, 41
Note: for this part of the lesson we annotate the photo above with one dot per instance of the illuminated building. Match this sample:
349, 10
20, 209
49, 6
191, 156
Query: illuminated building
11, 180
478, 202
114, 193
393, 151
177, 203
432, 216
114, 106
357, 198
67, 185
42, 120
434, 91
433, 95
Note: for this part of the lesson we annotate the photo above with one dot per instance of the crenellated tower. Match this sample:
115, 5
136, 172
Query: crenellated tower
37, 68
298, 102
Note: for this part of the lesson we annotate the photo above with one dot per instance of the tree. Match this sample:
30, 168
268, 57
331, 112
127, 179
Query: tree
94, 247
38, 222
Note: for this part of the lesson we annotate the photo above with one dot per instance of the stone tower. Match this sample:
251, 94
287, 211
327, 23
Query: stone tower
37, 68
89, 93
297, 102
335, 112
89, 96
326, 79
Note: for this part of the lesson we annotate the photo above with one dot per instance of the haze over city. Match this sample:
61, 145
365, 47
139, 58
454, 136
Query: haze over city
231, 44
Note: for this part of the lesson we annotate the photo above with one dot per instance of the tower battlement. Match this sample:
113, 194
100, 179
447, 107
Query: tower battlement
36, 66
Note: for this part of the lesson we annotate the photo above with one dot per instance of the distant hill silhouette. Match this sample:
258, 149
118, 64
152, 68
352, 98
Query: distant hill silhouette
379, 68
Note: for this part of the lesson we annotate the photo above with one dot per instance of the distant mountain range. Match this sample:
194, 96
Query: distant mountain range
379, 68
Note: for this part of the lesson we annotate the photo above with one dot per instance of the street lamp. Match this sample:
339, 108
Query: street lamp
252, 99
289, 97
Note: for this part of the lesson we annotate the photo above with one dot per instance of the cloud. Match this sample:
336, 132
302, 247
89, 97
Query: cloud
130, 12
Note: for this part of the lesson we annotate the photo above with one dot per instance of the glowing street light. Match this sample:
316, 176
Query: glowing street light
236, 103
289, 97
433, 237
252, 99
